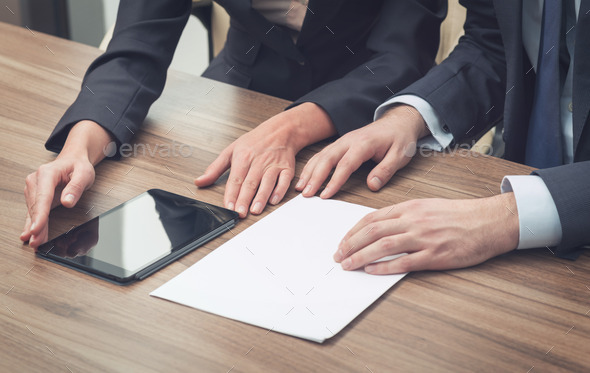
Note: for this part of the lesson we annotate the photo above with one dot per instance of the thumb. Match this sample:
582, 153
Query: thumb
81, 179
391, 163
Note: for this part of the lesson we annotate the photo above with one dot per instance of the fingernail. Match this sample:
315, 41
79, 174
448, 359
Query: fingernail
299, 184
275, 199
69, 198
342, 244
307, 189
346, 264
338, 255
376, 182
22, 234
32, 238
242, 210
257, 208
33, 226
325, 193
230, 205
370, 268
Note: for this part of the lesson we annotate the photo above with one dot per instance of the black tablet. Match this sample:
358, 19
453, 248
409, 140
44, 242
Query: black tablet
138, 237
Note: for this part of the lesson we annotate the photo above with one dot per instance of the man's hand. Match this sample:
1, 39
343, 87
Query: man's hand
436, 234
263, 160
390, 141
62, 180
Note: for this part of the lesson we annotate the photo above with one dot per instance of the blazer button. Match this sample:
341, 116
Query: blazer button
302, 63
570, 107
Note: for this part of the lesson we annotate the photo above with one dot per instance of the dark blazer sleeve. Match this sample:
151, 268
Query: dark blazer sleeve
569, 186
121, 84
465, 87
404, 42
467, 90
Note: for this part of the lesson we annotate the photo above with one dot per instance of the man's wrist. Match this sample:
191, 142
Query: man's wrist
407, 115
507, 215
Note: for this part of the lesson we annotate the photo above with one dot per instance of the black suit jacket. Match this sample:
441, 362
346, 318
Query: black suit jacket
349, 57
489, 78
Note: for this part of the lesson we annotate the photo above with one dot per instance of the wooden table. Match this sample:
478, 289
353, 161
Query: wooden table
522, 310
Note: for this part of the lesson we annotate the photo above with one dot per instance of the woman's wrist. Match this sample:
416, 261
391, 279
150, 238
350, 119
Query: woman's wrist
87, 139
307, 124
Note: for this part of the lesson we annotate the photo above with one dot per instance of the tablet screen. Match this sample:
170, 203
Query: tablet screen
137, 233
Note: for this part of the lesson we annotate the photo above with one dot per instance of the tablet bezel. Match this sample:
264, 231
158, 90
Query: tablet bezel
122, 276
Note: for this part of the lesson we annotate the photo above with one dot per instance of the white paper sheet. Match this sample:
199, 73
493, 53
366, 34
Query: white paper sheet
279, 273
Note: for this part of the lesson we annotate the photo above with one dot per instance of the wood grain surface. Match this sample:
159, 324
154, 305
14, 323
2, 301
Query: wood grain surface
524, 311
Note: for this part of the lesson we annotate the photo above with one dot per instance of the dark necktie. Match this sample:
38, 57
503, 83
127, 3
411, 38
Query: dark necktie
544, 140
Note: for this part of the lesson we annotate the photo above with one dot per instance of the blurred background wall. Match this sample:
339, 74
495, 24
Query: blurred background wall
87, 22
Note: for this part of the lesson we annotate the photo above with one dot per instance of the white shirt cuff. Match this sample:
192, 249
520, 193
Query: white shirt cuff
539, 224
439, 138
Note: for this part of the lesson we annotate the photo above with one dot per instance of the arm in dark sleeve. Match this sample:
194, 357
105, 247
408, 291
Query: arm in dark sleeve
467, 90
122, 83
569, 186
404, 42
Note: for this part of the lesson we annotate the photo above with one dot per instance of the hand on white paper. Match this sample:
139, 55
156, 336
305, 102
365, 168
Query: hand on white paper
436, 234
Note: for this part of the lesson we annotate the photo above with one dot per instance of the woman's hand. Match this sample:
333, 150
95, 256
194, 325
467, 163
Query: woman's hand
262, 161
63, 180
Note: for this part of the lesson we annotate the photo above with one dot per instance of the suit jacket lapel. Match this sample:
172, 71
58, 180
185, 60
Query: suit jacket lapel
509, 17
318, 12
261, 29
581, 90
